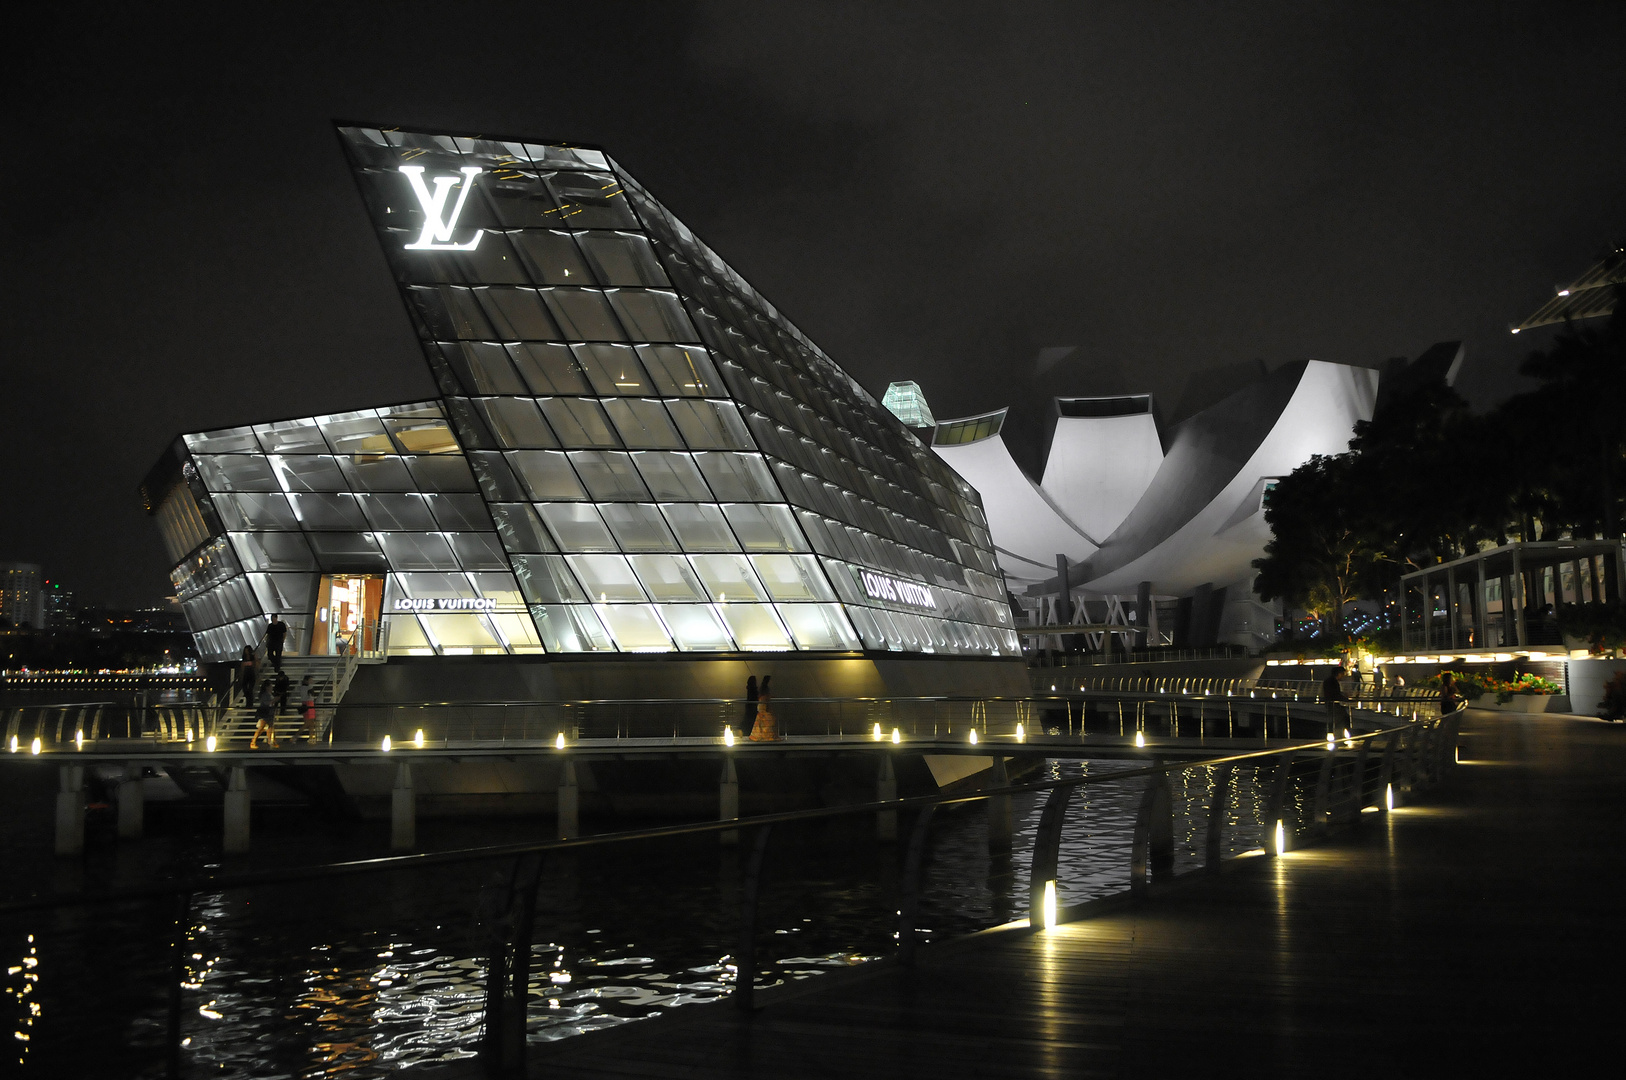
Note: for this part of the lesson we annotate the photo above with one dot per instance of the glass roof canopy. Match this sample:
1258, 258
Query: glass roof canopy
633, 450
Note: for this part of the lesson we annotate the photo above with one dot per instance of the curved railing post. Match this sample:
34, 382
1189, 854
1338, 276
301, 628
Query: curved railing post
1322, 807
909, 900
745, 960
1153, 845
1357, 786
1215, 845
1046, 851
1273, 807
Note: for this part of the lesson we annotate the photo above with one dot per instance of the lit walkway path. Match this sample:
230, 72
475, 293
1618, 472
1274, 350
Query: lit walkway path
1477, 934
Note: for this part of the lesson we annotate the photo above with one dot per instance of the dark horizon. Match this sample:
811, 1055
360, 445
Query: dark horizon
929, 195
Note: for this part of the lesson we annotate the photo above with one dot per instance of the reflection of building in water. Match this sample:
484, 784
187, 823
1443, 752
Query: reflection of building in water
633, 452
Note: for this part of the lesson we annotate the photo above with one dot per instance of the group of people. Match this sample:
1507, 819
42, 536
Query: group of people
759, 710
1337, 702
273, 690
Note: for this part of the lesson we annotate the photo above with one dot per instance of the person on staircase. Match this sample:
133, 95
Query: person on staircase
246, 670
307, 707
275, 635
766, 728
265, 717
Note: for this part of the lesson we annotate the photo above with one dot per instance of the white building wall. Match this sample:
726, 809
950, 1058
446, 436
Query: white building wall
1100, 466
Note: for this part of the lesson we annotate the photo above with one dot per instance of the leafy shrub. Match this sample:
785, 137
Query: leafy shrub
1477, 683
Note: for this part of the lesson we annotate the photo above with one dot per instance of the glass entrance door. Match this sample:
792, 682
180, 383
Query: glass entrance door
348, 609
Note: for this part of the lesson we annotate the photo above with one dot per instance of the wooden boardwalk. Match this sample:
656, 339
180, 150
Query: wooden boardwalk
1475, 934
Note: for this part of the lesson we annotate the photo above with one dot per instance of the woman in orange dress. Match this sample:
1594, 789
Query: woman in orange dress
766, 729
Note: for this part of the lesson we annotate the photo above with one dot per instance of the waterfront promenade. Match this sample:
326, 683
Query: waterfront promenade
1476, 933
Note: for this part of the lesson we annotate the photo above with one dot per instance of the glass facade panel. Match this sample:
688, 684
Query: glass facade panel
635, 627
606, 578
417, 551
478, 550
550, 256
612, 369
668, 578
236, 473
339, 510
755, 627
579, 422
546, 579
672, 477
254, 510
460, 634
291, 437
738, 477
696, 627
642, 422
515, 422
548, 368
652, 315
608, 475
407, 511
284, 592
727, 577
765, 527
547, 475
700, 526
462, 513
680, 370
621, 258
792, 577
442, 472
267, 551
710, 425
571, 629
519, 528
638, 527
366, 472
819, 626
576, 527
583, 315
351, 552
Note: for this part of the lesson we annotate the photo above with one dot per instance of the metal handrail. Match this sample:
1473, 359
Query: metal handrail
503, 1044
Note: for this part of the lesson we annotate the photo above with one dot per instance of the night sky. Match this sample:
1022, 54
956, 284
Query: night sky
1001, 202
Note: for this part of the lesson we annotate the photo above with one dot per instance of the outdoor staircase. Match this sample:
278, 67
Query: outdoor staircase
330, 676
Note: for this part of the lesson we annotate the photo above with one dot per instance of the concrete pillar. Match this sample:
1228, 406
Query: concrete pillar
728, 798
886, 790
132, 799
1145, 620
999, 810
236, 812
1481, 612
403, 811
1519, 624
1451, 607
70, 810
570, 818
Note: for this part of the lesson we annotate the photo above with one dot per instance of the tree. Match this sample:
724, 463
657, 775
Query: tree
1324, 552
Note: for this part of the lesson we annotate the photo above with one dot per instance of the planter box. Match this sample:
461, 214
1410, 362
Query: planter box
1524, 703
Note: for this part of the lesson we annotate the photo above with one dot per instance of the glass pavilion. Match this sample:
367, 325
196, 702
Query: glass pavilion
633, 452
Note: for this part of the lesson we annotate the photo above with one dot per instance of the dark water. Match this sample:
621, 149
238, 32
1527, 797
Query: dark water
362, 977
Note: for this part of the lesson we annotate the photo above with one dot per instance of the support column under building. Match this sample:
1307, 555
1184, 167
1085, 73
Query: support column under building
235, 812
1143, 613
70, 810
132, 803
403, 811
728, 799
569, 802
886, 790
1000, 826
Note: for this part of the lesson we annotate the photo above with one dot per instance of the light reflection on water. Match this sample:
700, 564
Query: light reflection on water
362, 977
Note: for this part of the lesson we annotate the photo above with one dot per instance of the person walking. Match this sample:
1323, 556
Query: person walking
275, 635
264, 718
766, 728
245, 675
1449, 699
750, 703
307, 707
1332, 695
283, 686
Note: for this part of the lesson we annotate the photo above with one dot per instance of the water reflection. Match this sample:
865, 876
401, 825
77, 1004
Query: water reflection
363, 977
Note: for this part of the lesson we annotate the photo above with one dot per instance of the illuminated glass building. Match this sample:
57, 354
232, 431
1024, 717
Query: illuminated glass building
632, 452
